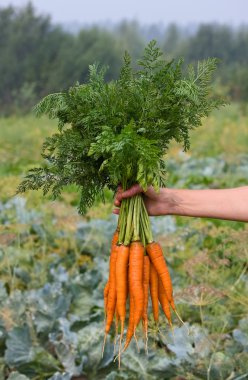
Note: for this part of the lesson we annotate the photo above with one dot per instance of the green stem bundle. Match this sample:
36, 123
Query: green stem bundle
134, 221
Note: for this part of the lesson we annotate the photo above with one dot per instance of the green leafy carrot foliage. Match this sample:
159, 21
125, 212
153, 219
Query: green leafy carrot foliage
119, 132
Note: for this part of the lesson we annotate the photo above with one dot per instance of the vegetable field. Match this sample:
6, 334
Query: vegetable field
54, 266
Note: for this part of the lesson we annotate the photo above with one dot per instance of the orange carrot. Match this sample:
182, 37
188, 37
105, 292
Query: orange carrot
130, 329
112, 290
115, 238
105, 294
164, 301
122, 285
154, 292
106, 288
136, 265
156, 255
146, 278
117, 318
116, 327
122, 280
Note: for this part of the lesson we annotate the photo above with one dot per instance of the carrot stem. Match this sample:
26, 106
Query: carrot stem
129, 222
146, 222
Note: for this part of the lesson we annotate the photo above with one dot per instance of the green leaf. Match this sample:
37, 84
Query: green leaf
48, 304
241, 334
222, 366
195, 342
60, 376
17, 376
119, 132
42, 364
51, 105
64, 342
19, 346
114, 375
2, 369
3, 292
90, 346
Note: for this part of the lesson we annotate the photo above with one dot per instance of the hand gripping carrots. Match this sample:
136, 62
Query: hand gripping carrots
136, 265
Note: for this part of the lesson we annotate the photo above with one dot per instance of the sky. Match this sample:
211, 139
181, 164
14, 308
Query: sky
183, 12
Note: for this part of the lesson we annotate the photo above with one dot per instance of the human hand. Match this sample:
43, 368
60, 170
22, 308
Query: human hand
157, 203
227, 204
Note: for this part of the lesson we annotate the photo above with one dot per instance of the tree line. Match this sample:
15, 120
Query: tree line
38, 57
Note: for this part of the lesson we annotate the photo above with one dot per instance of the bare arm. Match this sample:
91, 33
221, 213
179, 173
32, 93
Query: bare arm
229, 204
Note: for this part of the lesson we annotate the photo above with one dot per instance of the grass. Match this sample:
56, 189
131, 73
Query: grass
225, 131
22, 139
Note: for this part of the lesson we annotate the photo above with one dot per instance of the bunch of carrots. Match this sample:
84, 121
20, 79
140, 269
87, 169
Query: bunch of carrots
136, 264
119, 132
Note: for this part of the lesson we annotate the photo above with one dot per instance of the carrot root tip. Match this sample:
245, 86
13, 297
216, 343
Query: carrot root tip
180, 319
104, 341
136, 340
122, 330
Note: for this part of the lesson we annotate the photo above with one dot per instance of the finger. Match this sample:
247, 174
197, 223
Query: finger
116, 211
117, 203
119, 188
135, 189
118, 193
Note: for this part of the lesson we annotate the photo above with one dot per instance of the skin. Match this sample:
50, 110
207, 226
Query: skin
228, 204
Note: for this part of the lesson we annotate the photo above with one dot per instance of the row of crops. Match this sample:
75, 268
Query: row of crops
53, 268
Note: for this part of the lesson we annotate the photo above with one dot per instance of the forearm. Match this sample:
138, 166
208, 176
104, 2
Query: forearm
229, 204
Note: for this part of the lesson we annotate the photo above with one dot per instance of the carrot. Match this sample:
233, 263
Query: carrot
117, 318
164, 301
106, 288
115, 237
154, 292
156, 255
136, 279
122, 280
111, 299
109, 289
146, 278
105, 294
122, 285
112, 290
130, 329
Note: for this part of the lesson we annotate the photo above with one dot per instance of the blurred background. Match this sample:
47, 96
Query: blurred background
47, 46
53, 262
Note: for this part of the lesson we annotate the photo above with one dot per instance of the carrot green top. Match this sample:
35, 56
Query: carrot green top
119, 132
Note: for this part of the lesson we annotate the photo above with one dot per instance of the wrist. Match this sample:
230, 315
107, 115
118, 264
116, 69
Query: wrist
169, 202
